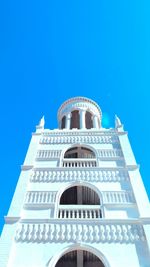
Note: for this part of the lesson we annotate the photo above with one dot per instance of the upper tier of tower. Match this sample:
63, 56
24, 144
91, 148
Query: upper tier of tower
80, 113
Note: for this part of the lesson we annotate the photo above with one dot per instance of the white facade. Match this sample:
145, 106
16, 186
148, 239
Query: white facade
79, 192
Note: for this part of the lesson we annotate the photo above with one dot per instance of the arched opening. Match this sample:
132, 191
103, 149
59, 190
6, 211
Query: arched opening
63, 122
79, 195
79, 202
75, 119
88, 120
79, 152
79, 258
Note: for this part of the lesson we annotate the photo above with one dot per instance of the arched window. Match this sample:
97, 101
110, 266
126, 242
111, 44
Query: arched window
78, 258
79, 202
79, 152
75, 119
63, 122
79, 195
88, 120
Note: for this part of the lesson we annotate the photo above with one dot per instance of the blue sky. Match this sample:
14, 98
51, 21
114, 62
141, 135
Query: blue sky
53, 50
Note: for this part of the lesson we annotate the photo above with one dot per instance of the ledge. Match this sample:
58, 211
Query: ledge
11, 220
26, 167
133, 167
83, 221
93, 131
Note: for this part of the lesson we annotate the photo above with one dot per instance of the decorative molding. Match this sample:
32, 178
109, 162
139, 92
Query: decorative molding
101, 153
76, 138
48, 154
26, 167
95, 232
79, 102
11, 220
79, 163
92, 175
44, 199
40, 198
118, 197
110, 153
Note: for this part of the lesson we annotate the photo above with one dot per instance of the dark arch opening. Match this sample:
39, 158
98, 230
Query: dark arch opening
79, 195
88, 120
75, 119
79, 152
63, 122
79, 258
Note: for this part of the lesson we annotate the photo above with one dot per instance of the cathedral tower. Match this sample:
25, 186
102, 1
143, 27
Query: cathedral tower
80, 199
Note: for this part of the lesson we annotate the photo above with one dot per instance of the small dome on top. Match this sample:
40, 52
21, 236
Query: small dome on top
80, 113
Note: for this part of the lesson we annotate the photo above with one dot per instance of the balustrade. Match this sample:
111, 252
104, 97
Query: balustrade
79, 175
100, 231
48, 154
77, 163
40, 197
76, 213
93, 139
109, 153
110, 197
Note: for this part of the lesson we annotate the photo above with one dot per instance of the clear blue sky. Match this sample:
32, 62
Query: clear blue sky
53, 50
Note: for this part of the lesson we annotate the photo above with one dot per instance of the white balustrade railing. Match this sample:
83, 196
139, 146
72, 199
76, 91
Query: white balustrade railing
101, 231
118, 197
109, 153
49, 197
40, 197
47, 154
92, 139
79, 175
76, 212
78, 163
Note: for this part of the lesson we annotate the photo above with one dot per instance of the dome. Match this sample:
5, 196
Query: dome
79, 113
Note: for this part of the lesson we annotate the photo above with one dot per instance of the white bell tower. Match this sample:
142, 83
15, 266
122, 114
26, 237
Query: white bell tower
80, 199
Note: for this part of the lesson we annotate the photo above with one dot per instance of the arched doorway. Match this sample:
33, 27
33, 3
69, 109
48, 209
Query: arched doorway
79, 152
79, 258
79, 195
79, 202
88, 120
63, 122
75, 119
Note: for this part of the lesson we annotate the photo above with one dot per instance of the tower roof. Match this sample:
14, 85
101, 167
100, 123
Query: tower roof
79, 99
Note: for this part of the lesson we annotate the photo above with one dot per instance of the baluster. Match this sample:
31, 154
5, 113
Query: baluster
96, 231
116, 197
69, 214
48, 197
91, 233
127, 195
65, 214
60, 214
108, 197
124, 199
73, 214
33, 197
28, 197
86, 214
119, 197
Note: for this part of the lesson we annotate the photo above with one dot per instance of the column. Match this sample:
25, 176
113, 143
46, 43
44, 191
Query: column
79, 258
68, 121
82, 119
95, 122
79, 195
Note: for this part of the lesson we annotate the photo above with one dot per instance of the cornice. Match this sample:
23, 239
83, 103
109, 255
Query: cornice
26, 167
82, 132
11, 220
88, 221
